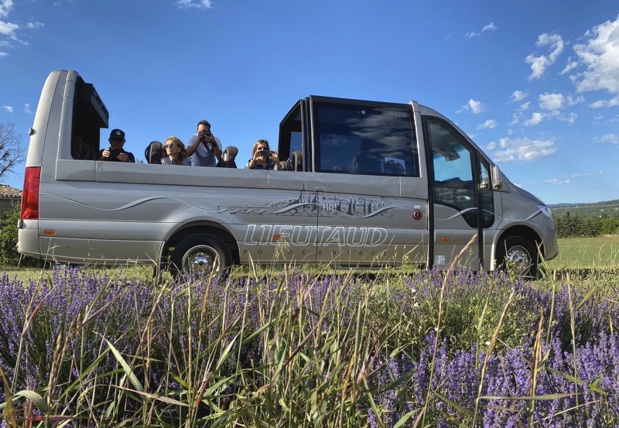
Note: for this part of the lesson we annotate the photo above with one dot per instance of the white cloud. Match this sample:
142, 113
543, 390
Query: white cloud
573, 101
488, 27
606, 103
8, 108
489, 124
520, 149
35, 25
5, 7
518, 96
475, 107
572, 177
599, 54
536, 119
551, 101
555, 181
525, 106
3, 54
27, 108
570, 118
193, 4
610, 138
571, 65
8, 29
539, 64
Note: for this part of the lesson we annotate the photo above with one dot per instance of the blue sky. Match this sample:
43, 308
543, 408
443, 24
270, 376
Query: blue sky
534, 83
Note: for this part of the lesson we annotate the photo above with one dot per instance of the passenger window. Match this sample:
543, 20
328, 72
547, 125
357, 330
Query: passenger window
361, 139
454, 174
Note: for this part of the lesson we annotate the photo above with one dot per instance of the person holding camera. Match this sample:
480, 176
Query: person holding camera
204, 148
262, 157
115, 152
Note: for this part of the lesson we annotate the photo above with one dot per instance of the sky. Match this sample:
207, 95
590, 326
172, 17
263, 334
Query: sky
534, 83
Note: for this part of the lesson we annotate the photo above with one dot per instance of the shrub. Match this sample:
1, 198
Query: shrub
8, 240
8, 236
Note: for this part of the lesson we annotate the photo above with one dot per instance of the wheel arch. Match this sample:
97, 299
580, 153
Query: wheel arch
200, 227
524, 232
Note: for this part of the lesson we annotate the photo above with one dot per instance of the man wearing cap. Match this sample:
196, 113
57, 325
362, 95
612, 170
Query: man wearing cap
115, 152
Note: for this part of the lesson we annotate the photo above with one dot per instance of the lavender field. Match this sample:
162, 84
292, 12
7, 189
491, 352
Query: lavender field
426, 349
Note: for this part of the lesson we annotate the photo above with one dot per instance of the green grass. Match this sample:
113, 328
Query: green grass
574, 254
587, 253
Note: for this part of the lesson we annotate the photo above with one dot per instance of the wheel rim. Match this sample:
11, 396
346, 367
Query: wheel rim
201, 259
518, 260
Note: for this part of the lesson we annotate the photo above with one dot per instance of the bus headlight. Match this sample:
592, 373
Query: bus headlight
545, 210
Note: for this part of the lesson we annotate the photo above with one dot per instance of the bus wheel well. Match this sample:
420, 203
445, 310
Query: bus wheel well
524, 232
222, 234
519, 251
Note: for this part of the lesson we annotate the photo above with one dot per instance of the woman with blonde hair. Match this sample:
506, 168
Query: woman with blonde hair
262, 157
175, 151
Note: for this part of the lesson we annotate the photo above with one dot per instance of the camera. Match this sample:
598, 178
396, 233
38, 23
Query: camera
265, 153
114, 153
203, 135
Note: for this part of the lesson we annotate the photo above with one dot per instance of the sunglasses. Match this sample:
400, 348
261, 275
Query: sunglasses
117, 140
171, 145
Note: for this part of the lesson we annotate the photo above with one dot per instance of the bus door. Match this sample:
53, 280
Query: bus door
365, 154
459, 184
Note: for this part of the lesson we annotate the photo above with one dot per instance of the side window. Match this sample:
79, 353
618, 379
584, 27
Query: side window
487, 197
356, 139
290, 145
455, 182
89, 116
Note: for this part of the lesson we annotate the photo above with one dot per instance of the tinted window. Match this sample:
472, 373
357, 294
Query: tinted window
361, 139
89, 116
454, 165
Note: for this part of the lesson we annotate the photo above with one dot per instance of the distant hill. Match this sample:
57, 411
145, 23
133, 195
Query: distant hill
597, 209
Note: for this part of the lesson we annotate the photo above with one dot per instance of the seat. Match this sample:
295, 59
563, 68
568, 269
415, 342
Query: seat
368, 163
295, 162
153, 152
81, 150
352, 165
227, 157
394, 168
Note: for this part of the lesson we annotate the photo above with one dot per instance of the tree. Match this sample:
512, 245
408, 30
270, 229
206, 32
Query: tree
11, 152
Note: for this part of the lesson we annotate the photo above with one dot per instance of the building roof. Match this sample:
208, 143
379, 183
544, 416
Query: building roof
7, 192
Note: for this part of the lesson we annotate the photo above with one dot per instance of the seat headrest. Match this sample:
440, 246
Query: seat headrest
153, 151
227, 157
295, 162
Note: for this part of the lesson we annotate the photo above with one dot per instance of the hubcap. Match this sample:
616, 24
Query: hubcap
518, 260
201, 259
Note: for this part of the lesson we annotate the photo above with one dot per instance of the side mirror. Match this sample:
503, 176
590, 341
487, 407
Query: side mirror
497, 183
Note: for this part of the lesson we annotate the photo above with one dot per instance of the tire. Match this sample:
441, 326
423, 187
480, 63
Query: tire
200, 254
518, 256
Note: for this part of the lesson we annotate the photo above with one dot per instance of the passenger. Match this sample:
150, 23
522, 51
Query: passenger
176, 153
116, 153
204, 148
262, 157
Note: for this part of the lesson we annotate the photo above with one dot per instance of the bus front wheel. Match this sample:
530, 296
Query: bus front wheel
518, 256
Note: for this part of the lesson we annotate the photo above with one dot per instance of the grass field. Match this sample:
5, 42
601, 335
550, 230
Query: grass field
574, 253
282, 346
587, 253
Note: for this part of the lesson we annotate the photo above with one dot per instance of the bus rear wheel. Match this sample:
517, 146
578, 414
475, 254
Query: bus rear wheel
518, 256
201, 254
